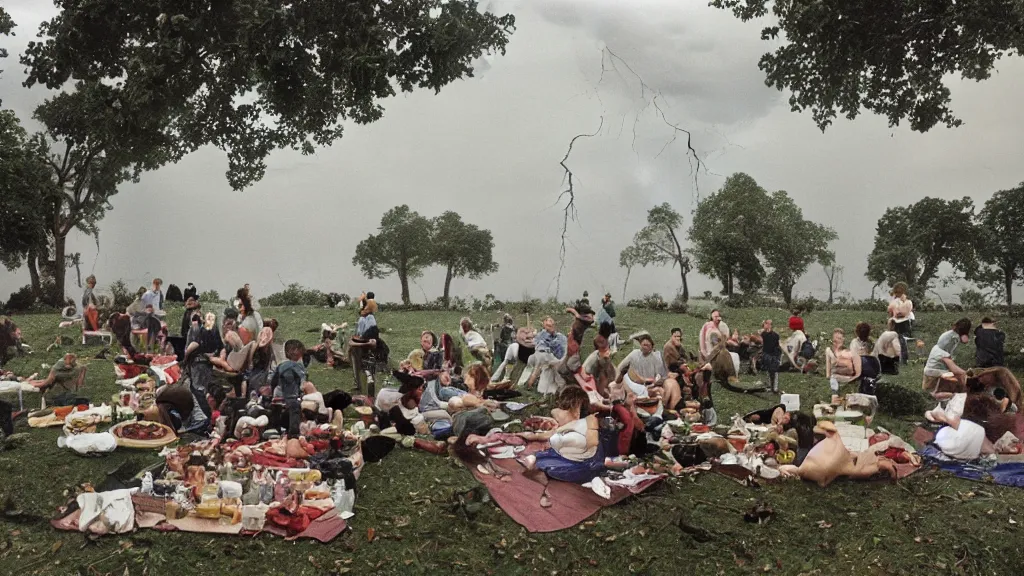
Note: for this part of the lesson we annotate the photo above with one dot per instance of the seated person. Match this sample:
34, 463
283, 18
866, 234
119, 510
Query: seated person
1001, 384
940, 361
888, 349
426, 361
550, 349
476, 343
713, 326
600, 367
10, 340
235, 357
575, 454
66, 372
673, 352
506, 336
720, 364
583, 318
326, 351
989, 342
861, 345
830, 459
643, 372
435, 397
90, 306
476, 382
312, 402
177, 408
249, 321
960, 438
517, 356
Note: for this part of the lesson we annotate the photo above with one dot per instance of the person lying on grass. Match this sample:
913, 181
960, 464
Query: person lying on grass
476, 381
830, 459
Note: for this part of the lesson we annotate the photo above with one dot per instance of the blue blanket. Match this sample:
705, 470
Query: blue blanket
1005, 474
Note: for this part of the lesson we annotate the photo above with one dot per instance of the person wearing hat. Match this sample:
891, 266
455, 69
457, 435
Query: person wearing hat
989, 343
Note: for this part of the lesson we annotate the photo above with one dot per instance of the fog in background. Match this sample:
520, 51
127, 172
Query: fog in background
489, 148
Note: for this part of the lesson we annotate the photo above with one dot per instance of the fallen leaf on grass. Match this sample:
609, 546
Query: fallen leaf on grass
610, 538
56, 545
823, 525
370, 533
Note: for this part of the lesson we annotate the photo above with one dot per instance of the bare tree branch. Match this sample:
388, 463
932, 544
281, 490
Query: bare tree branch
569, 212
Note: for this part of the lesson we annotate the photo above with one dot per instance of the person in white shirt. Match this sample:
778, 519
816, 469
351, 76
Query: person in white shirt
477, 345
888, 349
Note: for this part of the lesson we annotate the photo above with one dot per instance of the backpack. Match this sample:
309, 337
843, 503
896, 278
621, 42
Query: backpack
807, 350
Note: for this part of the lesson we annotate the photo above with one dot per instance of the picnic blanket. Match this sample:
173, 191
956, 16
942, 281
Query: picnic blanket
323, 529
571, 504
1008, 469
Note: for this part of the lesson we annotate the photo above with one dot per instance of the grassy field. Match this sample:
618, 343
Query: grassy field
929, 523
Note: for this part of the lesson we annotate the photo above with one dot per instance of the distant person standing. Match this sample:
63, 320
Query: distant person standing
155, 297
901, 311
90, 305
989, 343
606, 323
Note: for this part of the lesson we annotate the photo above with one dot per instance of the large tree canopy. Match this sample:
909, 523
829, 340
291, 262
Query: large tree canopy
251, 76
911, 242
887, 56
1001, 244
24, 186
792, 245
728, 231
402, 246
462, 249
658, 243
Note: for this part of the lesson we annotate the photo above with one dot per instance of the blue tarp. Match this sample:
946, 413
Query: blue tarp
1005, 474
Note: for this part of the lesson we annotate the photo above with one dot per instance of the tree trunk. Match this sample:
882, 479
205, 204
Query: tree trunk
787, 294
686, 286
1008, 280
33, 273
447, 287
626, 283
404, 279
59, 268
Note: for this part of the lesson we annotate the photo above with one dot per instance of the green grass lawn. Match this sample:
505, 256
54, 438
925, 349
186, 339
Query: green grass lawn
929, 523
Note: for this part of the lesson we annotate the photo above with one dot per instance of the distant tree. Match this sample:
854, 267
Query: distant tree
402, 247
255, 76
1001, 244
631, 257
834, 274
791, 244
658, 243
891, 58
91, 146
728, 231
911, 243
462, 249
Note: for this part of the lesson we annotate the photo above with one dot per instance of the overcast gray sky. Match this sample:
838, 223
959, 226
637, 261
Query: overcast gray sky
489, 147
